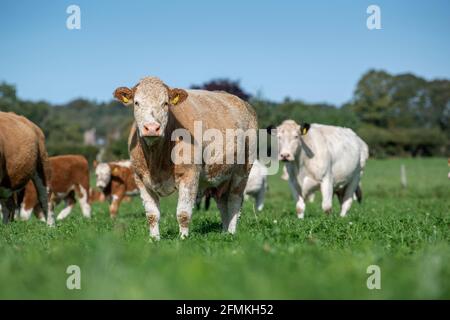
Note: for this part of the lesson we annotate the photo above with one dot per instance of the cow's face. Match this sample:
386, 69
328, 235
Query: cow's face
289, 142
103, 175
151, 100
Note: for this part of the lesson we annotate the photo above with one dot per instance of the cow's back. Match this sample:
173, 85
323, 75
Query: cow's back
336, 148
67, 171
216, 110
19, 143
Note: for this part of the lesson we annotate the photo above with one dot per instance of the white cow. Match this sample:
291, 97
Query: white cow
257, 184
322, 157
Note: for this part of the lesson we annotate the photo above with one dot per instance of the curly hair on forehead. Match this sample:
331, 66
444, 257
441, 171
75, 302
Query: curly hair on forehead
151, 81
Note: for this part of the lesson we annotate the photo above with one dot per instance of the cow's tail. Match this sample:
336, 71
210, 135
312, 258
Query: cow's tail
43, 173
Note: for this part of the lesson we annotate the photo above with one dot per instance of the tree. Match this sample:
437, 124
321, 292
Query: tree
226, 85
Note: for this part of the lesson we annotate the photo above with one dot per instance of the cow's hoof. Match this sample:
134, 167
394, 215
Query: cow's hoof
153, 239
183, 236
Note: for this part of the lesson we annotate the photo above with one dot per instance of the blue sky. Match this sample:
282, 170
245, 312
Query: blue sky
311, 50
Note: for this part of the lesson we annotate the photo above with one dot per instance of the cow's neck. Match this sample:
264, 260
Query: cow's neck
158, 154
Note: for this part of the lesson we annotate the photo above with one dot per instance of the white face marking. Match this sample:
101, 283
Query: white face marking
103, 175
151, 104
288, 134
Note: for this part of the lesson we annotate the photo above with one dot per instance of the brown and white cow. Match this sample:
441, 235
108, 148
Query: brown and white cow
116, 180
23, 156
162, 116
70, 177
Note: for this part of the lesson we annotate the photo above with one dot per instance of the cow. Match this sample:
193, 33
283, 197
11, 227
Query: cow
23, 157
70, 177
256, 187
165, 121
116, 182
257, 184
323, 157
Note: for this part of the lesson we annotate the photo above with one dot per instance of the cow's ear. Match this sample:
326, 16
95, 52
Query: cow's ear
177, 96
125, 95
304, 128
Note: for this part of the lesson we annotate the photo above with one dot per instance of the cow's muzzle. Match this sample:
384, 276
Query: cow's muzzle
285, 157
152, 129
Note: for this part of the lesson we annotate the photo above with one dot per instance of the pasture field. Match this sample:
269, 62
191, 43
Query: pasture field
273, 256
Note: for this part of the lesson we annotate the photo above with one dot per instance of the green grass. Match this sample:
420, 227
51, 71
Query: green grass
273, 256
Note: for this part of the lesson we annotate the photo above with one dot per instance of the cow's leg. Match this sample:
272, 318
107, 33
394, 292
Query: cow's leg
308, 187
259, 199
25, 212
115, 203
348, 195
296, 194
7, 208
83, 198
46, 204
70, 203
20, 196
340, 195
39, 214
187, 191
326, 188
151, 206
222, 205
235, 199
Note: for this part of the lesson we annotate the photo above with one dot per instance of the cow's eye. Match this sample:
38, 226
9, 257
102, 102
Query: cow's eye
136, 104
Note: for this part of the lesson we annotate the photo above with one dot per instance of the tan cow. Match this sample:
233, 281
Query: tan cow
116, 180
23, 156
70, 177
165, 123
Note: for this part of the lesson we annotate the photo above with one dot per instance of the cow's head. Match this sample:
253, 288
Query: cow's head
103, 175
289, 142
151, 100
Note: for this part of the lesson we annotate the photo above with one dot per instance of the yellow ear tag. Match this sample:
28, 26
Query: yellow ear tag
115, 171
175, 100
304, 131
125, 99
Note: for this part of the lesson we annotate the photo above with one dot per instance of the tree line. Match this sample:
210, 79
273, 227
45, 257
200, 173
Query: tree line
397, 115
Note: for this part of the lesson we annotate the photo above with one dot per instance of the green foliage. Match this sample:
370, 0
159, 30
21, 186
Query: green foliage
274, 255
90, 152
398, 115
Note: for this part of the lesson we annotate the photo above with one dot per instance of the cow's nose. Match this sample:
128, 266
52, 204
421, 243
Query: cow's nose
151, 129
284, 156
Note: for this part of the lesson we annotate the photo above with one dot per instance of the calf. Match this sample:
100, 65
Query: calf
320, 156
116, 180
70, 177
23, 157
162, 116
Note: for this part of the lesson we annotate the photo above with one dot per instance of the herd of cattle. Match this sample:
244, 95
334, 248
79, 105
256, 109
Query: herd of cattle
317, 157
